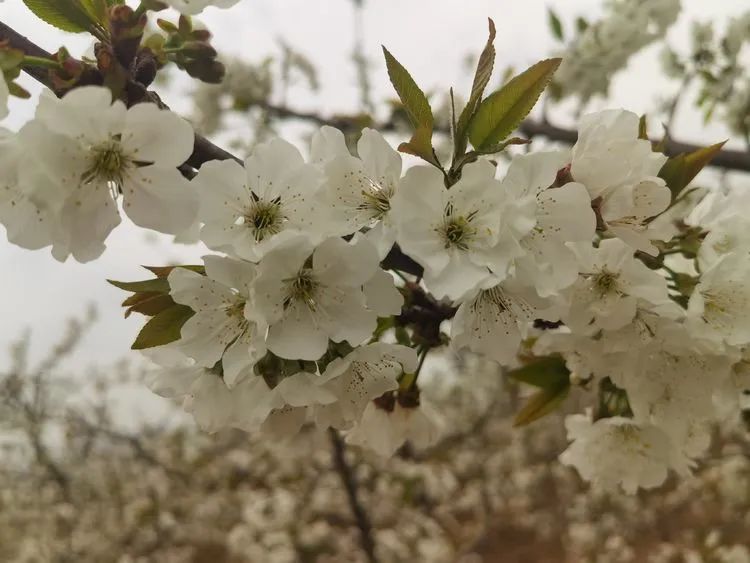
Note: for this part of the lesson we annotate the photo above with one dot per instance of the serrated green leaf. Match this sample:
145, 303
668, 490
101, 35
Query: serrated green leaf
158, 285
163, 328
680, 170
500, 113
481, 77
417, 108
414, 100
541, 404
546, 373
555, 24
67, 15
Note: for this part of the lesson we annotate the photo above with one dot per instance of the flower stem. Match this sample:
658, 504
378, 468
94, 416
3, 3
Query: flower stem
41, 62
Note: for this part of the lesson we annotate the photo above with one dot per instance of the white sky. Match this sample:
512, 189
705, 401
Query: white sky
430, 38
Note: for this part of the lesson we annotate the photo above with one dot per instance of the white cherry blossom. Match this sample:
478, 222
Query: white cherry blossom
456, 234
719, 307
96, 149
361, 376
359, 190
385, 431
308, 295
556, 215
620, 172
247, 212
611, 285
495, 320
219, 329
621, 451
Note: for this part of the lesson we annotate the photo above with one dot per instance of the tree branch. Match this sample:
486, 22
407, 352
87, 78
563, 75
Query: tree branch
350, 484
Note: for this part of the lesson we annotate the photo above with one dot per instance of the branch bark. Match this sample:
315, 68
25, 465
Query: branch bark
350, 484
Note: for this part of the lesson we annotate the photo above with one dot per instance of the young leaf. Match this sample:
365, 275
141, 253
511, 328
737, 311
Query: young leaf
148, 304
163, 328
417, 108
67, 15
414, 100
501, 112
481, 77
546, 373
541, 404
158, 285
555, 25
680, 170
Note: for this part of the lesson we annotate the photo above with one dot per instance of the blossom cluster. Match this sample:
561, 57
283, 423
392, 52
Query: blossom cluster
605, 46
563, 253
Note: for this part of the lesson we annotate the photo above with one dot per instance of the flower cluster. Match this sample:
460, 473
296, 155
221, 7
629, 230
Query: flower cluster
333, 275
604, 47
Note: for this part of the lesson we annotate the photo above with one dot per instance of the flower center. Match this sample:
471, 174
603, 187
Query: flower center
108, 163
302, 289
264, 218
376, 199
456, 230
605, 282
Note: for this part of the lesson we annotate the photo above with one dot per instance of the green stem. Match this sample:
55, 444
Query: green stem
41, 62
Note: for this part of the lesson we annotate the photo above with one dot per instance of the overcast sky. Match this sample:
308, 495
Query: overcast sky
431, 39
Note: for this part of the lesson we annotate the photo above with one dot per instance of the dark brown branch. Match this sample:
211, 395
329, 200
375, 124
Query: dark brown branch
350, 484
726, 159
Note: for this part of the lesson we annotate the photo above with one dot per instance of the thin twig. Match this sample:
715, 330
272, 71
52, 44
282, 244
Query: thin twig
350, 484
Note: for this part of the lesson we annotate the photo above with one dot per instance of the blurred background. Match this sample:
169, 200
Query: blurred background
96, 468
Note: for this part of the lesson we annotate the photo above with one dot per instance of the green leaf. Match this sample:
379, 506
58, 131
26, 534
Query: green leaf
481, 77
680, 170
555, 24
163, 328
541, 404
148, 304
546, 373
97, 10
500, 113
158, 285
581, 24
67, 15
417, 108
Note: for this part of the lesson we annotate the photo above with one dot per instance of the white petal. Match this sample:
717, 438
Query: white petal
327, 143
160, 199
157, 136
382, 295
